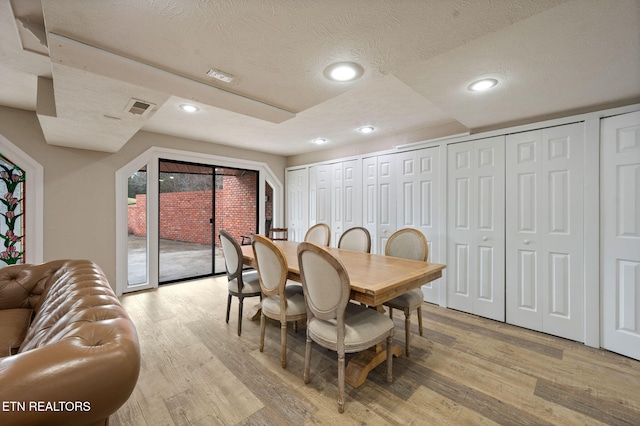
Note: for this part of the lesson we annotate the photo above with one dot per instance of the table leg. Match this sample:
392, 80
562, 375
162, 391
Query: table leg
254, 312
362, 363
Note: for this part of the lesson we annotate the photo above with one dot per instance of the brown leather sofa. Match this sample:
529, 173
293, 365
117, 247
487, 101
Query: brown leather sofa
69, 354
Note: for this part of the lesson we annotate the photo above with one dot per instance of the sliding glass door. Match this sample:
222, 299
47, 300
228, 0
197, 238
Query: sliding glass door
195, 201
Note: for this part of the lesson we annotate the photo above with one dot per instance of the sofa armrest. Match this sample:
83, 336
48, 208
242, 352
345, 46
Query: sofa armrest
79, 380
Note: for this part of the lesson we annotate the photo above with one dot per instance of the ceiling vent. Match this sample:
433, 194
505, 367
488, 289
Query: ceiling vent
138, 107
221, 75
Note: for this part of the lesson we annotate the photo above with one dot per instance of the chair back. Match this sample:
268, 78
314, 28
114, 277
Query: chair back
319, 233
408, 243
325, 282
357, 239
232, 255
272, 265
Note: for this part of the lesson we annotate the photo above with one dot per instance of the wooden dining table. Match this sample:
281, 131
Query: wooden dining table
374, 279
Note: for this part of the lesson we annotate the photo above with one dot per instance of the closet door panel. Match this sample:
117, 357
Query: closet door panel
427, 186
313, 195
417, 185
524, 154
476, 227
370, 198
323, 194
406, 205
489, 228
461, 238
620, 224
387, 210
337, 202
563, 171
352, 175
545, 291
297, 204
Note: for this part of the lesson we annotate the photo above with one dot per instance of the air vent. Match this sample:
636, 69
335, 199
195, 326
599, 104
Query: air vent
221, 75
138, 107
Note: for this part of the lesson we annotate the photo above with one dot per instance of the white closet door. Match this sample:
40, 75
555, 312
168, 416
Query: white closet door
313, 195
386, 191
370, 199
323, 194
620, 233
417, 194
337, 202
545, 231
297, 204
475, 260
352, 214
346, 198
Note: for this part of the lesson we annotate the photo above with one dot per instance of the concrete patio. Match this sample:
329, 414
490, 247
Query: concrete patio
178, 260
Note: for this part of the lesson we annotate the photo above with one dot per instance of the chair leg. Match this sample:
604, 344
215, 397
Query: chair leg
407, 331
262, 326
390, 359
341, 383
295, 326
228, 307
241, 299
307, 361
283, 344
390, 312
420, 320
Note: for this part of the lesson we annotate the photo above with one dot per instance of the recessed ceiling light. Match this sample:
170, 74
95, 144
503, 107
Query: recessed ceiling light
343, 71
366, 129
189, 108
319, 141
484, 84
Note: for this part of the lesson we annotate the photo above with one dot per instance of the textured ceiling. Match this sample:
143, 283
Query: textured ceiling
550, 56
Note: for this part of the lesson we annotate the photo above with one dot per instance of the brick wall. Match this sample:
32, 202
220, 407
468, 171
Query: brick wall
185, 216
236, 206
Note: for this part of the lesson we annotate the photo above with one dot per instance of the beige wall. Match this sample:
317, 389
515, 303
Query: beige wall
79, 185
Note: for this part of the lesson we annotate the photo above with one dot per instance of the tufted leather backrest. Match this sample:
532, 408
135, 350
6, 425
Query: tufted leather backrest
21, 286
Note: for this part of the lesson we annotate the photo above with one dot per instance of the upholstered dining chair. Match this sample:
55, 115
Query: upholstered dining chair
357, 239
408, 243
320, 233
280, 301
333, 322
241, 283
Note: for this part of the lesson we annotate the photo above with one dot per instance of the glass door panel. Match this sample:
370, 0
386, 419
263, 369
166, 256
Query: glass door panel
236, 207
137, 228
185, 221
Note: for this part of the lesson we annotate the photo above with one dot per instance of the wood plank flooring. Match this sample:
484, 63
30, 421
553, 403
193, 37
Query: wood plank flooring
465, 370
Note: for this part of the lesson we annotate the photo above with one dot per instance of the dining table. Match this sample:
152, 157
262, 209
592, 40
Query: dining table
374, 279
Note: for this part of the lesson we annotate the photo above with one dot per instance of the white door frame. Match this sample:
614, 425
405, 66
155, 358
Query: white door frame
150, 158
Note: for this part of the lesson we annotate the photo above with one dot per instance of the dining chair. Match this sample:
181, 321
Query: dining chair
241, 283
280, 301
333, 322
320, 233
357, 239
245, 240
411, 244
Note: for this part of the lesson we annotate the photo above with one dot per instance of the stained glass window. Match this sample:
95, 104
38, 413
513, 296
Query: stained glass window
12, 230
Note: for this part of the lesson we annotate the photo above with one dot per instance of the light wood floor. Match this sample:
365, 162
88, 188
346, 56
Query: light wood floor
465, 370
